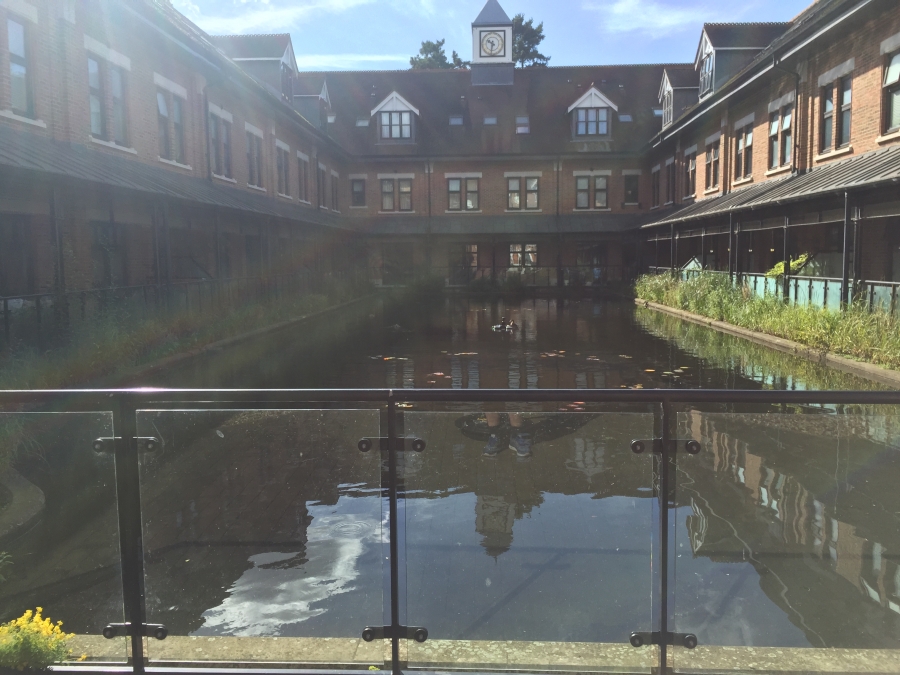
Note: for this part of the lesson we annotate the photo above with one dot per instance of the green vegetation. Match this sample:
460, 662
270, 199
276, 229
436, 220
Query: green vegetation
119, 340
33, 642
796, 265
855, 332
526, 39
433, 57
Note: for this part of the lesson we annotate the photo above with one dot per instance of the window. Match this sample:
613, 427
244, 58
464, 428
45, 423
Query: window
582, 192
303, 179
892, 94
522, 193
283, 167
583, 186
490, 120
774, 126
523, 255
472, 193
362, 122
454, 194
787, 137
404, 187
668, 107
96, 99
601, 192
358, 192
254, 160
670, 183
743, 153
523, 125
592, 122
712, 166
21, 96
654, 180
334, 193
178, 129
119, 113
827, 118
632, 189
690, 174
396, 125
845, 91
220, 146
321, 181
387, 195
706, 73
456, 120
162, 107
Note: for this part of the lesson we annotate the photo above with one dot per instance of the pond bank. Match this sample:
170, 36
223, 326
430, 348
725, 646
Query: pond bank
867, 370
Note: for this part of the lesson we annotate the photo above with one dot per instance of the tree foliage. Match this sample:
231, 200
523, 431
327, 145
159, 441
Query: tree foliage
433, 57
526, 39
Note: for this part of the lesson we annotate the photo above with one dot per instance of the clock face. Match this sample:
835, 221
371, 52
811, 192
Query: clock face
492, 43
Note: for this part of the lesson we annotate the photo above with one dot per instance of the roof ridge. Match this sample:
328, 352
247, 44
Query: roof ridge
466, 70
748, 23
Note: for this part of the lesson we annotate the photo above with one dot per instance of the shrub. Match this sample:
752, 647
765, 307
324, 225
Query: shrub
33, 641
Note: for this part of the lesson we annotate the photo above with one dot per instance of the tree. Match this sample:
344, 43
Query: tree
433, 57
526, 39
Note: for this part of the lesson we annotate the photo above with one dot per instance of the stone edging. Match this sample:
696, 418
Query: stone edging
26, 505
175, 359
867, 370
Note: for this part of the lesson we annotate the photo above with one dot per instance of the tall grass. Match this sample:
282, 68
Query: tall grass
120, 339
872, 336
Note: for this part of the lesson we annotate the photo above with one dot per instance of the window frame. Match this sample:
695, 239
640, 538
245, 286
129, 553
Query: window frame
523, 256
388, 182
668, 104
637, 189
97, 94
178, 127
119, 105
220, 140
743, 152
405, 195
582, 127
774, 139
470, 191
655, 188
283, 171
583, 190
786, 144
22, 61
321, 186
826, 119
361, 193
254, 161
303, 179
690, 174
891, 95
844, 95
713, 157
335, 196
523, 125
707, 70
391, 131
164, 141
522, 193
601, 191
670, 183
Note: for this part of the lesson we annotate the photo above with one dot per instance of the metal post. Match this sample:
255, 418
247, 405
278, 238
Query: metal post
672, 251
786, 257
702, 249
128, 484
731, 247
845, 267
666, 469
394, 534
737, 253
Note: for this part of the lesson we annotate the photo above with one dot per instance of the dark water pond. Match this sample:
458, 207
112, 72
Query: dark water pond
518, 523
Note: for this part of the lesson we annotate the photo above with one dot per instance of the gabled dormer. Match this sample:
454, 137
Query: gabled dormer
269, 59
592, 116
677, 92
395, 118
312, 100
726, 48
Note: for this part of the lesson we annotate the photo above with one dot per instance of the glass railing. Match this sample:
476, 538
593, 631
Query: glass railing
590, 531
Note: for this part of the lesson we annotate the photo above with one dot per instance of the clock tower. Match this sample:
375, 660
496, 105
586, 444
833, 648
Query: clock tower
492, 42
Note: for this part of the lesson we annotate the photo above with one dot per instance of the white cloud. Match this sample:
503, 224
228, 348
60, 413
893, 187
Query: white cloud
656, 19
261, 16
347, 61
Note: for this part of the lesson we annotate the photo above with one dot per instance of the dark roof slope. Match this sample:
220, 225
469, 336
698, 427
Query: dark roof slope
252, 46
492, 15
744, 35
683, 77
544, 94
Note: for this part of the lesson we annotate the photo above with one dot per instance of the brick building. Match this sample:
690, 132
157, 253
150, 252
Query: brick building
137, 151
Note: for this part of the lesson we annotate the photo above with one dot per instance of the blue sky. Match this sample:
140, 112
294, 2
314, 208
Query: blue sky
378, 34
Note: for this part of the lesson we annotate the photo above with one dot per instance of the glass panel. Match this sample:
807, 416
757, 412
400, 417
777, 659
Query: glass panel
786, 540
60, 528
528, 541
16, 38
894, 115
262, 536
892, 73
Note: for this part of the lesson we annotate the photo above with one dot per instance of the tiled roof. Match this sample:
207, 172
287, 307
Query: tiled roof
683, 77
252, 46
492, 15
24, 151
744, 35
863, 171
544, 94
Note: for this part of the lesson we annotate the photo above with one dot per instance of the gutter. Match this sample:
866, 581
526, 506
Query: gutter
790, 52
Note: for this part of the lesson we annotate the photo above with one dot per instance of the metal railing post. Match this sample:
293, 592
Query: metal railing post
666, 466
394, 533
129, 512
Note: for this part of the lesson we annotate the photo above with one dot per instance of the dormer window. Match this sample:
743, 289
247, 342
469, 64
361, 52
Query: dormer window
591, 115
592, 122
668, 110
706, 73
396, 125
395, 120
523, 125
456, 120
